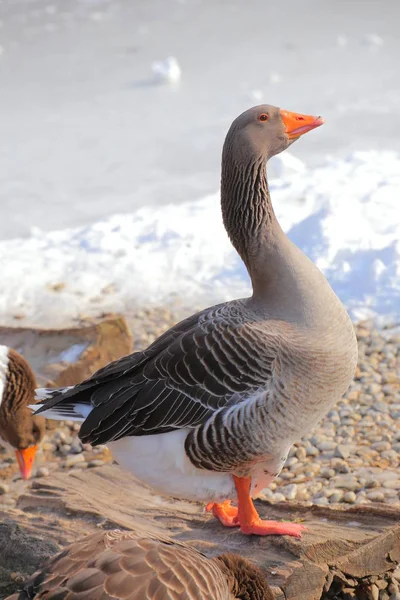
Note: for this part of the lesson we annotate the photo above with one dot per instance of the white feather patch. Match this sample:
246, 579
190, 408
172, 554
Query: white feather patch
3, 369
46, 393
64, 412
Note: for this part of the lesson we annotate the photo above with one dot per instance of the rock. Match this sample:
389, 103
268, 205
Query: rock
278, 498
61, 438
95, 463
290, 491
77, 352
347, 482
4, 489
48, 447
396, 574
375, 496
390, 455
327, 473
374, 592
381, 446
301, 453
76, 446
73, 459
381, 584
349, 497
337, 496
21, 554
342, 451
321, 501
371, 483
326, 446
42, 472
311, 451
381, 407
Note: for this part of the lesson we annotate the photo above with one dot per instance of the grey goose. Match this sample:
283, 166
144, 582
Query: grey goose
209, 411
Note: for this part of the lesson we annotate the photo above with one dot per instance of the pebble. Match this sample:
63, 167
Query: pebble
396, 574
327, 473
42, 472
381, 584
301, 453
375, 496
321, 501
290, 491
326, 446
380, 446
278, 498
4, 489
80, 465
342, 451
336, 497
374, 592
48, 447
380, 407
349, 497
76, 446
74, 459
95, 463
347, 482
312, 451
352, 456
393, 587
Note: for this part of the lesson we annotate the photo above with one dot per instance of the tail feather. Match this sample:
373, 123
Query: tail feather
67, 410
47, 393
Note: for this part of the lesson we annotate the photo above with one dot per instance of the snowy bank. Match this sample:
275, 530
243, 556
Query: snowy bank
345, 215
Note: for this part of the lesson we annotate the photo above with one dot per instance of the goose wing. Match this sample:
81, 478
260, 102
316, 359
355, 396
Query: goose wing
127, 566
209, 361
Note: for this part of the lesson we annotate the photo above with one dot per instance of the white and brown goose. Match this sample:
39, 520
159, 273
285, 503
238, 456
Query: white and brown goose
126, 565
20, 431
210, 410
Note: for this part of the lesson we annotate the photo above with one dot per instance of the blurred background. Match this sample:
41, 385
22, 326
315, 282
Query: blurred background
113, 115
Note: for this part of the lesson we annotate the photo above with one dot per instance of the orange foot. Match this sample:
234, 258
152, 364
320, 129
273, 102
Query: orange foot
225, 512
261, 527
246, 515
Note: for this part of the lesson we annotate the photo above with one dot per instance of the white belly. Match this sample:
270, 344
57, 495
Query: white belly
160, 461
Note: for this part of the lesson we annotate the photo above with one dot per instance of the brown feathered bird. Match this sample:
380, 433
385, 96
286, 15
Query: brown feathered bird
20, 431
128, 565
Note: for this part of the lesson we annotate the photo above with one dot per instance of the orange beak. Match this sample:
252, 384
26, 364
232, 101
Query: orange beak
296, 124
25, 460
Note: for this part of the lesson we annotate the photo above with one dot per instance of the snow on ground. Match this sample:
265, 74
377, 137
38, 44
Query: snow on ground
344, 215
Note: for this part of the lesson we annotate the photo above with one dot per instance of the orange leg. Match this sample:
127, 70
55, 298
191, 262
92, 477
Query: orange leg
249, 519
225, 512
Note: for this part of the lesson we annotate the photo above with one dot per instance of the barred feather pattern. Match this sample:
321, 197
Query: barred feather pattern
246, 378
134, 565
246, 207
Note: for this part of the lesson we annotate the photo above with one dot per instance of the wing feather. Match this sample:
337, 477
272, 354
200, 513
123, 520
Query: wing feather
205, 363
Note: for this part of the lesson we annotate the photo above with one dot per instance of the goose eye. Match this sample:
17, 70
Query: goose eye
263, 117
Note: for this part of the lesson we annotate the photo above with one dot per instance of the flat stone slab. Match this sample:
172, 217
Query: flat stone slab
342, 548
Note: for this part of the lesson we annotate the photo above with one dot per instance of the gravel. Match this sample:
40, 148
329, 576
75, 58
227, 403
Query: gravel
351, 457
